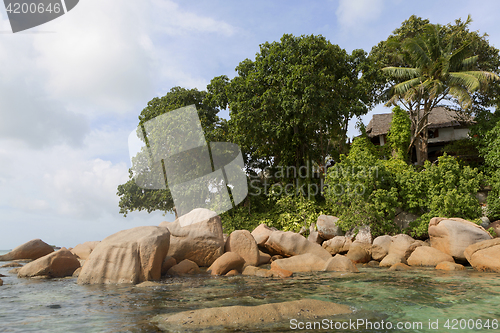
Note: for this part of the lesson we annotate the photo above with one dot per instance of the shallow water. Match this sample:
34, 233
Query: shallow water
60, 305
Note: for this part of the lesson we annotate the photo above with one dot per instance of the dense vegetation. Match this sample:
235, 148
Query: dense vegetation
289, 113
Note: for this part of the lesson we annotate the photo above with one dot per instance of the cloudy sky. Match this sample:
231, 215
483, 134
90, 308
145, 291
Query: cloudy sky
71, 90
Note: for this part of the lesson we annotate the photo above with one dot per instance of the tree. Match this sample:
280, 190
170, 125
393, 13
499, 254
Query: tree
132, 196
399, 135
435, 64
292, 104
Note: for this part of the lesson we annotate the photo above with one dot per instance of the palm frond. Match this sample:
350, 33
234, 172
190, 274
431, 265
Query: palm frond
401, 72
403, 87
465, 79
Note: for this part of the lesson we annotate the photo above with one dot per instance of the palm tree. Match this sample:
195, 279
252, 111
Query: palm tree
442, 68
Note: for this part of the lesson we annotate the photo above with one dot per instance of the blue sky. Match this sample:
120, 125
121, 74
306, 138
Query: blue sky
71, 91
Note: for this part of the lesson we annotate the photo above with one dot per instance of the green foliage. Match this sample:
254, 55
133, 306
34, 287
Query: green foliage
493, 199
361, 190
492, 232
284, 212
399, 135
365, 190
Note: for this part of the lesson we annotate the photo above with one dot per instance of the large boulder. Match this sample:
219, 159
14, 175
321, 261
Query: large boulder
397, 250
34, 249
54, 265
327, 227
290, 244
243, 243
380, 247
227, 262
301, 263
340, 263
337, 244
238, 317
201, 242
185, 267
484, 256
428, 256
83, 250
359, 252
129, 256
454, 235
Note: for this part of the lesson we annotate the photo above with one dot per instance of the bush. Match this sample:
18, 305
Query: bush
365, 190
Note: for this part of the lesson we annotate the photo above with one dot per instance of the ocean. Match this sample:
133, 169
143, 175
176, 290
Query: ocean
424, 296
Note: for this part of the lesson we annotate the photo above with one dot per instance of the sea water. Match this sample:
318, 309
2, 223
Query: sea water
425, 296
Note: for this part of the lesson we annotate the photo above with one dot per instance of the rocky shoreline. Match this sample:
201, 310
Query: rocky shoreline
145, 254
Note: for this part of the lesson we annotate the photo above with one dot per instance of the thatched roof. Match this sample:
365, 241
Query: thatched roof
438, 118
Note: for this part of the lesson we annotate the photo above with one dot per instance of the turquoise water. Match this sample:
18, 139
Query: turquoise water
376, 294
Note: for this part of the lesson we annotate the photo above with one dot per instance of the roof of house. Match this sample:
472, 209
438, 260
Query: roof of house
438, 118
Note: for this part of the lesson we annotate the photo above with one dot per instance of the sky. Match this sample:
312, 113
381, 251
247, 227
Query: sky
71, 91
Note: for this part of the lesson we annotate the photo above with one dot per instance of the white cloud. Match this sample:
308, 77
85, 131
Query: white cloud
355, 14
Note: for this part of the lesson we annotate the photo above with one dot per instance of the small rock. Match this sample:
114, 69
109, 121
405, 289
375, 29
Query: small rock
58, 264
185, 267
148, 284
14, 270
449, 266
280, 273
327, 227
225, 263
337, 244
400, 267
232, 272
340, 263
168, 263
1, 282
372, 263
77, 272
315, 237
485, 222
276, 257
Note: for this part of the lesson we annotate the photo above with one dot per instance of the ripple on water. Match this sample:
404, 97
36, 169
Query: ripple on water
60, 305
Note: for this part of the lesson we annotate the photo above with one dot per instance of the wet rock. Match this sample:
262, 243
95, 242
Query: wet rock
185, 267
129, 256
227, 262
340, 263
11, 264
301, 263
149, 284
83, 250
54, 265
449, 266
33, 249
280, 272
201, 242
14, 270
243, 243
232, 272
327, 227
380, 247
428, 256
400, 267
372, 263
236, 317
359, 252
484, 256
76, 273
337, 244
1, 282
454, 235
168, 263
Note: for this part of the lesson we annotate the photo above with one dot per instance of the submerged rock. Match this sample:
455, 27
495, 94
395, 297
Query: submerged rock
449, 266
34, 249
55, 265
129, 256
241, 316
